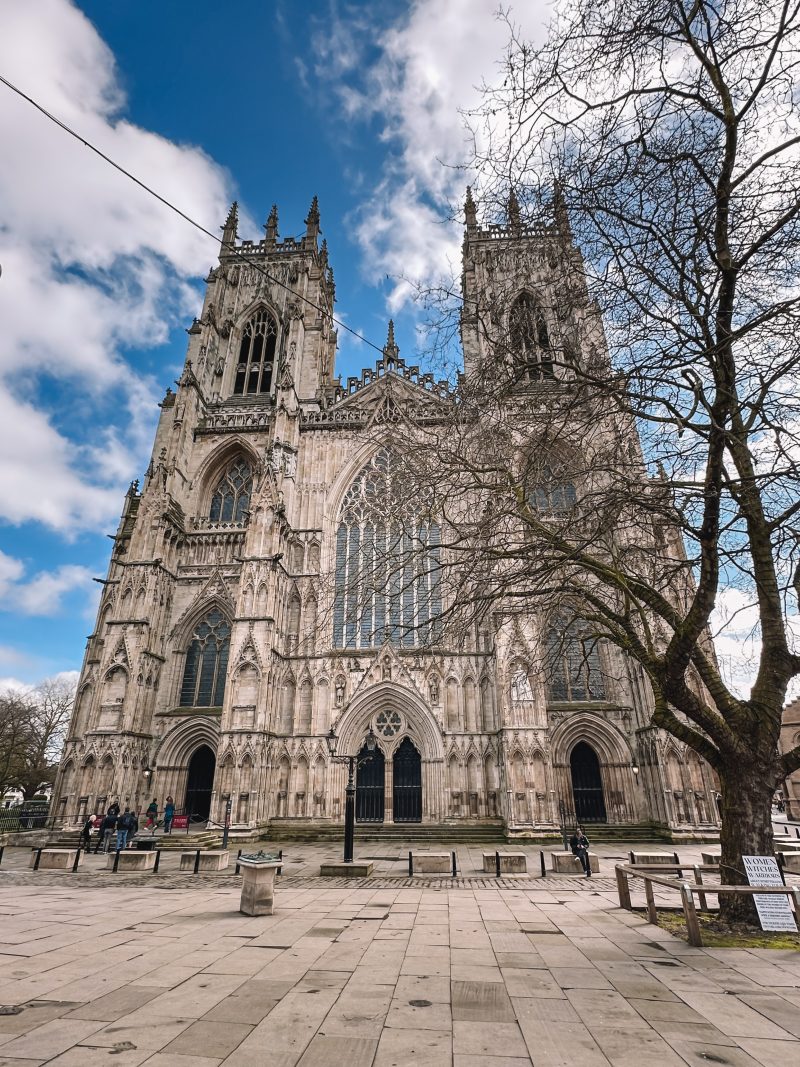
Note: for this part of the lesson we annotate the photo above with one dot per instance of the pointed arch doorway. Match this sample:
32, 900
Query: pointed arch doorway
587, 784
406, 783
370, 785
200, 784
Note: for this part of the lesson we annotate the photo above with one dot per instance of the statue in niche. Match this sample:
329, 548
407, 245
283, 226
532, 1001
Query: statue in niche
520, 687
386, 670
433, 690
339, 691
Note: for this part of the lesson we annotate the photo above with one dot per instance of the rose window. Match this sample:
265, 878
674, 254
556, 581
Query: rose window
388, 723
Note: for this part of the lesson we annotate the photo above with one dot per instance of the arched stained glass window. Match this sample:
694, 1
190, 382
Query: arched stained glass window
206, 663
552, 492
231, 499
530, 343
388, 582
256, 355
575, 669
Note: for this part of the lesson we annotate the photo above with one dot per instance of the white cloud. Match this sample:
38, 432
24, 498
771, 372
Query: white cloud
91, 263
737, 639
43, 593
430, 69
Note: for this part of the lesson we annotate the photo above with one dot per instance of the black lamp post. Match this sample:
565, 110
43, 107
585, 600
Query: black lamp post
350, 797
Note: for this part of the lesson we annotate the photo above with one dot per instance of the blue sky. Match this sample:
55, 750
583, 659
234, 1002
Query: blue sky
260, 101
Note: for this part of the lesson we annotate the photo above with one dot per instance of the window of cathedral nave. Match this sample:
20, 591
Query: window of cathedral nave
231, 499
552, 493
387, 562
575, 667
254, 370
206, 663
529, 339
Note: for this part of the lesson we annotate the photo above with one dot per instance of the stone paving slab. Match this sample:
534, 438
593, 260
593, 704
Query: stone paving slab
386, 972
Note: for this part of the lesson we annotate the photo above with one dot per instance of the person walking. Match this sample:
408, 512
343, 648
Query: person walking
113, 808
107, 828
579, 843
152, 815
123, 828
86, 833
169, 814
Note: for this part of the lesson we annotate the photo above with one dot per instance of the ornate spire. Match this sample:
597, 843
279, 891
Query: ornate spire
390, 349
230, 229
470, 214
271, 227
312, 222
560, 213
514, 220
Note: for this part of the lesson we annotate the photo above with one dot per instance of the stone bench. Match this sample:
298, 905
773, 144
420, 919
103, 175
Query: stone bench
211, 860
56, 859
790, 861
510, 862
710, 858
651, 859
432, 862
568, 863
132, 860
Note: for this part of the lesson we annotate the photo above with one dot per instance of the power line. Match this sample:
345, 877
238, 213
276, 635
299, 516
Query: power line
240, 253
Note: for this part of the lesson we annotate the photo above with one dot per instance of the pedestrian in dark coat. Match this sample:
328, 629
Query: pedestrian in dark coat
579, 843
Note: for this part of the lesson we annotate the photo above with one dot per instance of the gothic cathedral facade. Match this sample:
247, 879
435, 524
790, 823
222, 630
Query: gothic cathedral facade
219, 662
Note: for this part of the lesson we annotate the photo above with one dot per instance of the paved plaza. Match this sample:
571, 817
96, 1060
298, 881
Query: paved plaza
388, 972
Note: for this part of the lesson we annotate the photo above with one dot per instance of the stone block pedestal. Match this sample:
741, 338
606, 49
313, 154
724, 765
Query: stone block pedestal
209, 861
432, 862
132, 860
258, 885
710, 858
510, 863
652, 858
356, 869
55, 859
567, 863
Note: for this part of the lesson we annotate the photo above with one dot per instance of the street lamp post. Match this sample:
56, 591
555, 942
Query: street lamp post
352, 762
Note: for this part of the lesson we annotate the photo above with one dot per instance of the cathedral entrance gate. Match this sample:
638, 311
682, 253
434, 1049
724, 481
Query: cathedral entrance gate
587, 784
407, 783
370, 785
200, 783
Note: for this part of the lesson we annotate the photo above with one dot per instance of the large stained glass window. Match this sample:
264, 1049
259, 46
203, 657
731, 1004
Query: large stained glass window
388, 549
256, 355
574, 664
530, 343
207, 663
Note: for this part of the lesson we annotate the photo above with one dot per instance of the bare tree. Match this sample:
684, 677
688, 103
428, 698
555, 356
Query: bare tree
33, 724
663, 139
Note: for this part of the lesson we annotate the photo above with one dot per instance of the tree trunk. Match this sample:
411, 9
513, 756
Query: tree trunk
746, 811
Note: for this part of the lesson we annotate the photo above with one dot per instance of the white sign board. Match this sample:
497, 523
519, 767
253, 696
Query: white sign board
774, 910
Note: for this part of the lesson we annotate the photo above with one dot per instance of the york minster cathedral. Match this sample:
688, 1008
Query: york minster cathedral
228, 639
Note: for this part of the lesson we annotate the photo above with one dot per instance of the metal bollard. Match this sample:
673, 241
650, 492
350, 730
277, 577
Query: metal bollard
77, 860
280, 857
677, 861
238, 857
455, 872
158, 861
542, 863
116, 861
410, 864
497, 863
2, 850
781, 862
38, 857
196, 861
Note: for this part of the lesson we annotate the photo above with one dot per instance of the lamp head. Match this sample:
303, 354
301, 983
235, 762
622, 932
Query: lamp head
331, 740
371, 740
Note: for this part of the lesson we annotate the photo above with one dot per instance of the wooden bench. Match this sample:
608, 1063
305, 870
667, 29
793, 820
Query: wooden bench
568, 863
55, 859
432, 862
211, 860
131, 860
510, 862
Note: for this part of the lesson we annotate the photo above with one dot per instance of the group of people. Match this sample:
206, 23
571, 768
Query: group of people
123, 827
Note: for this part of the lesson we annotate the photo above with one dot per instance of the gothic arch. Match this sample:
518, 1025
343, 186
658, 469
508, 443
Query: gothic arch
179, 744
422, 727
607, 741
213, 466
336, 493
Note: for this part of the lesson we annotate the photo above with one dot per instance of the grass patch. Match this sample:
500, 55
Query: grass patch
717, 933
